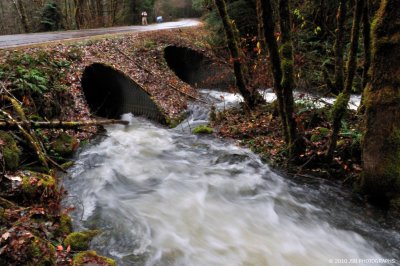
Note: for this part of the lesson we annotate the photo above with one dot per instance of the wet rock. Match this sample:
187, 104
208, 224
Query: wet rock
36, 186
80, 240
90, 257
202, 129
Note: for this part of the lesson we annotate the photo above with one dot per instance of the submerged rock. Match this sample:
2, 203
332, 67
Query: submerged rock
202, 129
80, 240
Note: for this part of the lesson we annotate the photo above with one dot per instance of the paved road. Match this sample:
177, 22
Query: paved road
8, 41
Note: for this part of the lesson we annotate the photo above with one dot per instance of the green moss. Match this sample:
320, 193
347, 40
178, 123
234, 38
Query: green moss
384, 96
90, 257
80, 240
391, 165
286, 50
34, 183
202, 129
40, 252
339, 108
322, 133
65, 145
10, 150
67, 165
65, 225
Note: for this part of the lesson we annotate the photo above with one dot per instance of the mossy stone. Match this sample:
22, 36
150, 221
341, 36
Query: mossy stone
202, 129
65, 145
90, 257
34, 183
79, 241
11, 152
322, 133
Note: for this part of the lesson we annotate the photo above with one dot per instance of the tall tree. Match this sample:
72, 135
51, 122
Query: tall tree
287, 64
22, 14
339, 47
236, 55
339, 108
367, 53
100, 11
78, 13
367, 44
381, 145
268, 25
282, 67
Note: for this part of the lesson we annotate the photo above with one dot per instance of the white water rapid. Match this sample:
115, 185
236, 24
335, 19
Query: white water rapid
167, 197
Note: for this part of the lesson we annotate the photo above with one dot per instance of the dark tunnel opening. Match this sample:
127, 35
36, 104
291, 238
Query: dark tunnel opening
196, 69
186, 63
109, 93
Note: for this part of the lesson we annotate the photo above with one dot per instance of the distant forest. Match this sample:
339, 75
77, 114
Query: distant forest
23, 16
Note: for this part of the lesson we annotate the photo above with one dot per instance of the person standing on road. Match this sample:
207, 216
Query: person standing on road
144, 18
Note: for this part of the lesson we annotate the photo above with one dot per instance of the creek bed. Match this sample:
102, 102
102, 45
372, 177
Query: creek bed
167, 197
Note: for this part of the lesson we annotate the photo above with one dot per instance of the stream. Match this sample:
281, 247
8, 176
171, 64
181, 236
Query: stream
167, 197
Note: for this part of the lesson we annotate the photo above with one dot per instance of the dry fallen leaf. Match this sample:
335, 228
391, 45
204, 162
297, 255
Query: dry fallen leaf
5, 236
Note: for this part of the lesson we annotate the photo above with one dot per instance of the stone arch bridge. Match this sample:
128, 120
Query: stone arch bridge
151, 74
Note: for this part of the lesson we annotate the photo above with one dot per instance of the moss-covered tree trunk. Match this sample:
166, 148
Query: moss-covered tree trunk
339, 47
236, 57
367, 44
367, 53
266, 20
340, 106
287, 65
381, 145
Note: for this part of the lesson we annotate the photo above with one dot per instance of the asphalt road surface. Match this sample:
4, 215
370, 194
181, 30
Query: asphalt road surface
9, 41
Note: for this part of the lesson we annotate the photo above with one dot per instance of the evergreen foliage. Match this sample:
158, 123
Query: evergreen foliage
50, 18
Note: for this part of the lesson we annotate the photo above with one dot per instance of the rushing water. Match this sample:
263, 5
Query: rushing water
167, 197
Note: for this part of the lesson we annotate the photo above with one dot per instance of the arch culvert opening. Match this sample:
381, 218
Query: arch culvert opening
196, 69
110, 93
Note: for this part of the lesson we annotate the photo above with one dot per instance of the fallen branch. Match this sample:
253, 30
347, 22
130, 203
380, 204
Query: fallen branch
32, 140
6, 204
13, 124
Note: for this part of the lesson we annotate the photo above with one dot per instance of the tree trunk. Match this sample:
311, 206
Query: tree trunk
287, 65
381, 145
339, 47
114, 9
266, 20
78, 13
367, 44
22, 14
2, 22
260, 25
339, 108
236, 57
100, 12
367, 55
